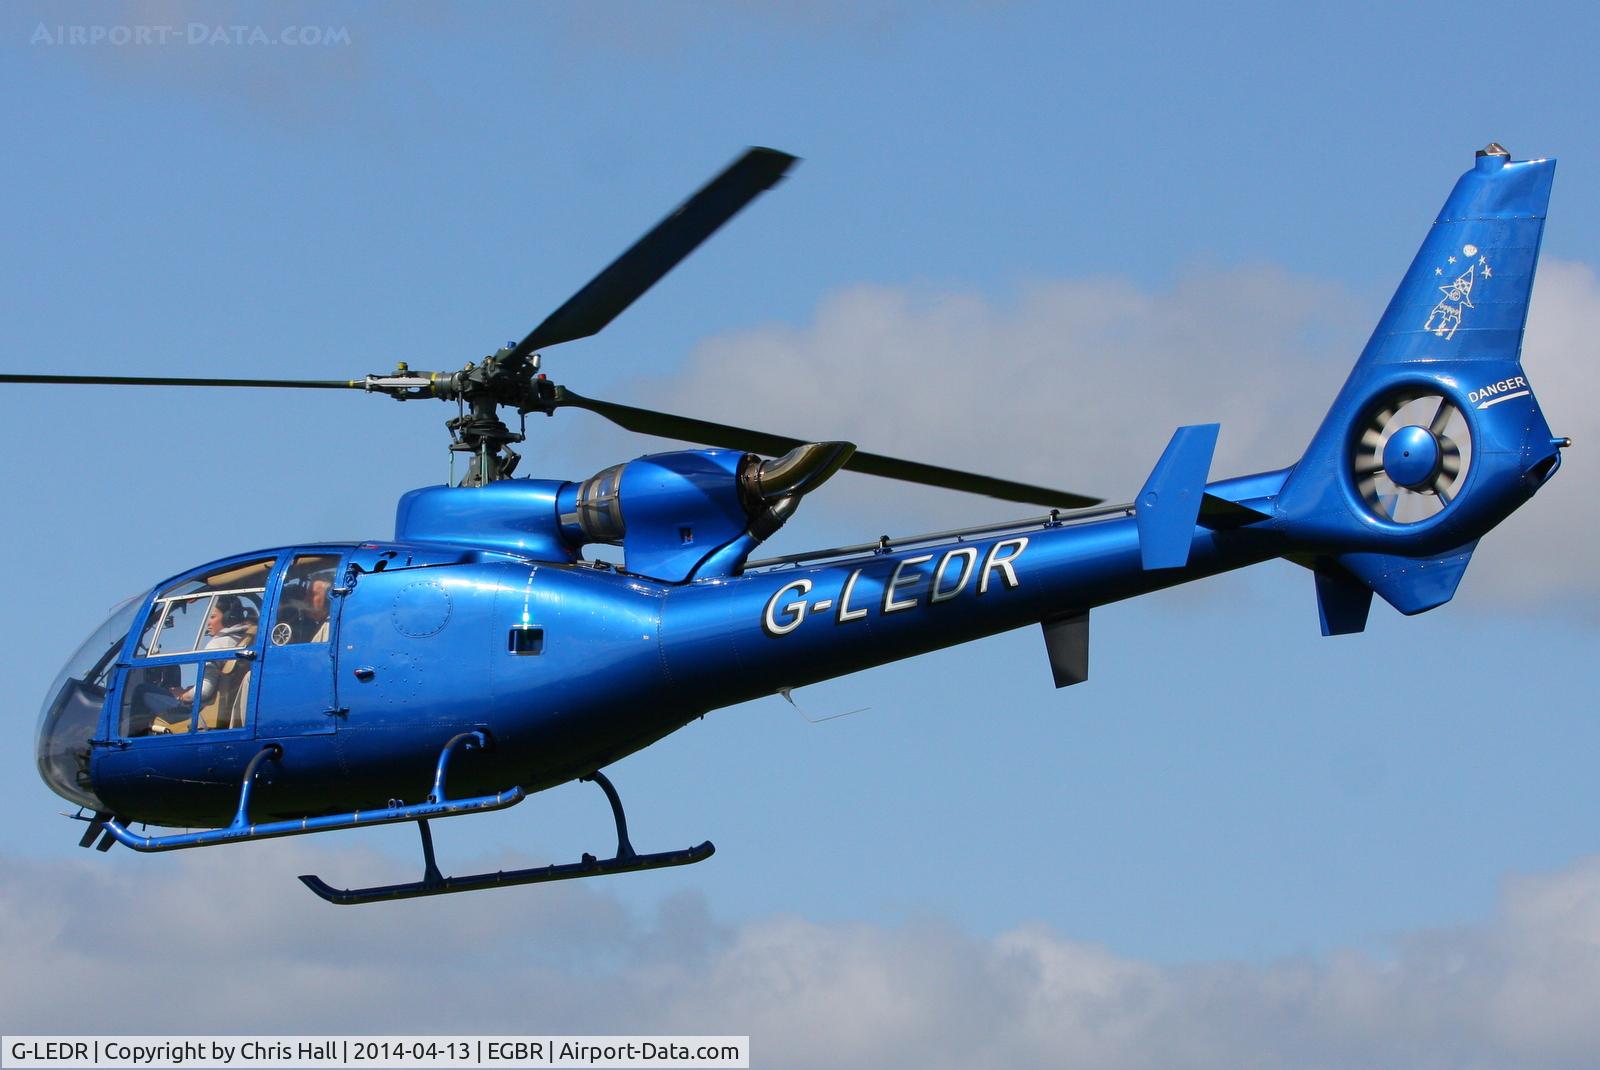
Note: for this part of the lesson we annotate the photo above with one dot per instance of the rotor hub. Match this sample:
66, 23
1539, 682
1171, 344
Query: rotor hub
1412, 457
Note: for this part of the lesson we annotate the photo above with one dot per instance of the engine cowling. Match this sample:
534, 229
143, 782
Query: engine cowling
675, 515
689, 512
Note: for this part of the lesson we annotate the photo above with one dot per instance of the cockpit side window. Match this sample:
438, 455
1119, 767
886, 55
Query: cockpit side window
184, 679
180, 625
303, 607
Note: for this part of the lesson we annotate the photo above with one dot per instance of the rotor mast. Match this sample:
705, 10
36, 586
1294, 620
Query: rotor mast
505, 378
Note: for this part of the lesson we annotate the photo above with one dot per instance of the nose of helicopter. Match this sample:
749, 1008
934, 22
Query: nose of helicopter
61, 746
71, 714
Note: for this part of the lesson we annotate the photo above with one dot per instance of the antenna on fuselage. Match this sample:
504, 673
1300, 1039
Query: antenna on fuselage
787, 693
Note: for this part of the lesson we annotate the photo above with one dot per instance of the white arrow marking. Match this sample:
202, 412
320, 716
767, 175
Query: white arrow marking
1504, 397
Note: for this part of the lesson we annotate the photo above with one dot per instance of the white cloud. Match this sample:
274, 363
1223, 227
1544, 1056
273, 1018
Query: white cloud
1077, 381
225, 941
1539, 553
1078, 384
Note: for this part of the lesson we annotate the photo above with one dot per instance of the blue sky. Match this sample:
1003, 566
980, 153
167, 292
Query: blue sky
1028, 239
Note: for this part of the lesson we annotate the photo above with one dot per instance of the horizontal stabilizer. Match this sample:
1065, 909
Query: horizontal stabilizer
1411, 584
1169, 503
1342, 601
1066, 640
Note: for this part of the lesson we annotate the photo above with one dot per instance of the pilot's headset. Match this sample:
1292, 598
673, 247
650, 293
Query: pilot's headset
234, 611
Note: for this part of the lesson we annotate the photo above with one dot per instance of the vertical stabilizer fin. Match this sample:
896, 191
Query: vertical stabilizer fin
1066, 640
1342, 601
1169, 503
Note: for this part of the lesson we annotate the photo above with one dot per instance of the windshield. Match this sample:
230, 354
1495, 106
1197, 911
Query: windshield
71, 712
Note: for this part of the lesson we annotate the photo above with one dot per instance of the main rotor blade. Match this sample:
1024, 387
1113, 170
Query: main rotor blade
152, 380
658, 252
688, 429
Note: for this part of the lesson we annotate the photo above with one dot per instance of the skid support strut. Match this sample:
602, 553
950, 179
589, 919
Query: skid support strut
627, 860
242, 828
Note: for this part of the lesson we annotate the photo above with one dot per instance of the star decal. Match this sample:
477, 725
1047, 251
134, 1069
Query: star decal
1451, 260
1438, 271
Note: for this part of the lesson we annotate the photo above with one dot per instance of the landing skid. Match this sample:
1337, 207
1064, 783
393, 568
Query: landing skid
627, 860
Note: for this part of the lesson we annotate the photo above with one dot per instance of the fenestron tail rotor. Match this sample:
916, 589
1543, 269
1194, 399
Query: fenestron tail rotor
510, 376
1411, 456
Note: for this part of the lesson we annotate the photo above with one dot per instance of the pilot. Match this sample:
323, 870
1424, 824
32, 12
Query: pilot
230, 625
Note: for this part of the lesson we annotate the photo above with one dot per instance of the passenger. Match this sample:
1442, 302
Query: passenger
316, 610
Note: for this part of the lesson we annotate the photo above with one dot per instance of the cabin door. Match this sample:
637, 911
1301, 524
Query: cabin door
297, 660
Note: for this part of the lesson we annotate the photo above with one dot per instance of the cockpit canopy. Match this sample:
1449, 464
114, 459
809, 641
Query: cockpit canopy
71, 713
187, 667
180, 677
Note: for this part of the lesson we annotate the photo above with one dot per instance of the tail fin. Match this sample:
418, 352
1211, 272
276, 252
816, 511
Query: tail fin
1465, 297
1436, 436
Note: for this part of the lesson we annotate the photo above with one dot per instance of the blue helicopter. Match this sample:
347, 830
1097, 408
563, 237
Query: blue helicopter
478, 657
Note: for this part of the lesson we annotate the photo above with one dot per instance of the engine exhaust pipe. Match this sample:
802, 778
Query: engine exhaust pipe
798, 472
772, 489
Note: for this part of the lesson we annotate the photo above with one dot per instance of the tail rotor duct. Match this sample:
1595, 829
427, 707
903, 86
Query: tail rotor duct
1411, 456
